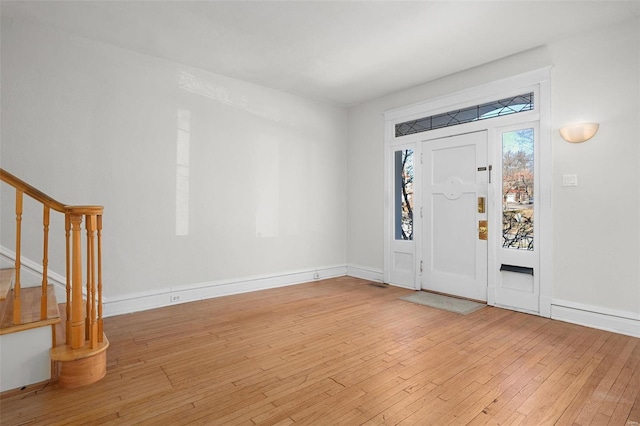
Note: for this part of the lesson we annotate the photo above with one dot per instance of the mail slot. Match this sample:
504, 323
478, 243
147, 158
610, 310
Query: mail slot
518, 269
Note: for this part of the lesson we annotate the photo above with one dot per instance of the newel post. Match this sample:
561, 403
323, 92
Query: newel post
77, 317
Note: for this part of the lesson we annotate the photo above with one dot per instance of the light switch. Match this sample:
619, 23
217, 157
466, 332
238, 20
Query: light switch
569, 180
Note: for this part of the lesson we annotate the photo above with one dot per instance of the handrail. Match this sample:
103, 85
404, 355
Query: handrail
84, 326
38, 195
34, 193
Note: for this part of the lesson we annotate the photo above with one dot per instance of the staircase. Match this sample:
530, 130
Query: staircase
24, 346
38, 342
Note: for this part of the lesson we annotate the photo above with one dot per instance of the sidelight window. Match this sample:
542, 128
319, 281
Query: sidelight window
517, 189
403, 182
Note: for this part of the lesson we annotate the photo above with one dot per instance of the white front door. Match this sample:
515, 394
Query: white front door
455, 175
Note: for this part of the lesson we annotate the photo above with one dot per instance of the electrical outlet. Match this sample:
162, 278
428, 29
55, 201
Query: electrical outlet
174, 298
569, 180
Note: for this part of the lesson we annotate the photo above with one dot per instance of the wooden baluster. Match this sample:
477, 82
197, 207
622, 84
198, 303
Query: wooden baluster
91, 280
77, 318
87, 310
45, 264
83, 321
100, 322
67, 233
16, 284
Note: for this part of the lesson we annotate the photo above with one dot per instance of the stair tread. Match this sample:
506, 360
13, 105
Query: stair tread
6, 281
29, 310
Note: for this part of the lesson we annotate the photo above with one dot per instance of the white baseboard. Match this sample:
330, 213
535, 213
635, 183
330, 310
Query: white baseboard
621, 322
545, 306
192, 292
364, 273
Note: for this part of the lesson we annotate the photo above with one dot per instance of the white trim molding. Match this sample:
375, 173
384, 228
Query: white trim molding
621, 322
364, 273
537, 81
468, 96
192, 292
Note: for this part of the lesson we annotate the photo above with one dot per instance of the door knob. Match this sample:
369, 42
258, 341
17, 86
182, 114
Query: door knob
483, 230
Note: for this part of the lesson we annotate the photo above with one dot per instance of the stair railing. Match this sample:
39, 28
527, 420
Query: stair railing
84, 324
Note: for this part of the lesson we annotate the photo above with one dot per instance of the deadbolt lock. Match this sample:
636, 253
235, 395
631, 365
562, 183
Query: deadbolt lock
481, 208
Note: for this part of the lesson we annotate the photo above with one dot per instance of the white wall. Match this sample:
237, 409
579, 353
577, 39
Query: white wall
269, 172
596, 77
596, 239
90, 123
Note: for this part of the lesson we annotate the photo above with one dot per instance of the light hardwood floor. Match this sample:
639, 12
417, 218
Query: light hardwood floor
343, 351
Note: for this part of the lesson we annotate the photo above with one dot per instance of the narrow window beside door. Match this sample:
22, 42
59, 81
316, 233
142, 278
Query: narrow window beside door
403, 174
517, 189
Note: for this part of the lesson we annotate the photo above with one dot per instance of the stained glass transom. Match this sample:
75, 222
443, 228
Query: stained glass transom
499, 108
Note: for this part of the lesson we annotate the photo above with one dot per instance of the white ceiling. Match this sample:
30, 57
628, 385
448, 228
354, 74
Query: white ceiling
345, 52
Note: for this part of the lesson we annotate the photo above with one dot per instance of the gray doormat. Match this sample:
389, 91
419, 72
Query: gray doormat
459, 306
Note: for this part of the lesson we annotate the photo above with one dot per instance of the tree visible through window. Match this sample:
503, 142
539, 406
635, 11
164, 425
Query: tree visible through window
517, 189
404, 194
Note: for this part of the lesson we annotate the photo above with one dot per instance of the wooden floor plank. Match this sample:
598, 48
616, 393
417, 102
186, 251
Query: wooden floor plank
607, 374
344, 352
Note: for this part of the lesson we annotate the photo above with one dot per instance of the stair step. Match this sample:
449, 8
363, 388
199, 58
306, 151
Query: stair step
6, 281
29, 310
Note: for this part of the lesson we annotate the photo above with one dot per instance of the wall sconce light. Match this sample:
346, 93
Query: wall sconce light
579, 132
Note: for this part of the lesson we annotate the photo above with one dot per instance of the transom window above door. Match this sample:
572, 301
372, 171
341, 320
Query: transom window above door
499, 108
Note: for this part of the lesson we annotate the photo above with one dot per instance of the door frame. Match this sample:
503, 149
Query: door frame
537, 81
